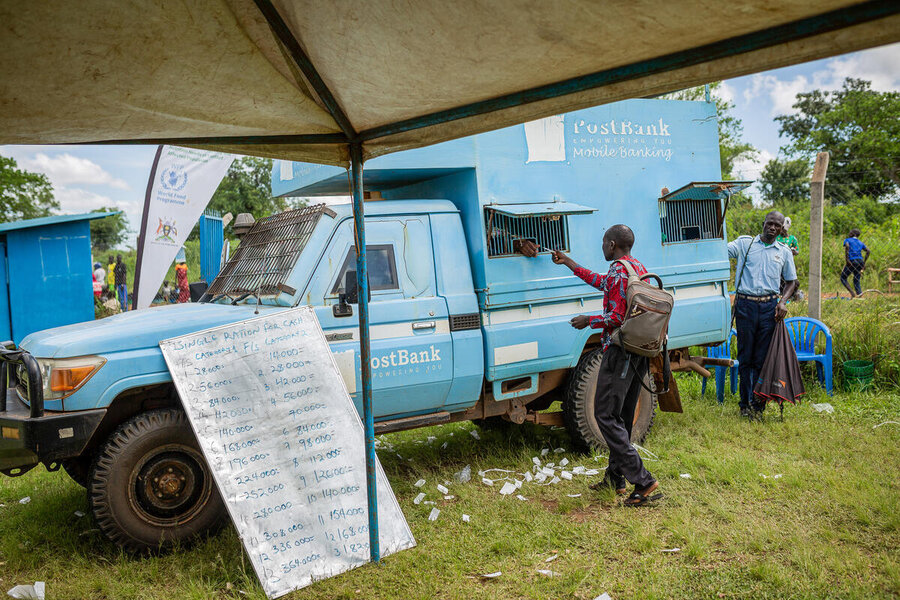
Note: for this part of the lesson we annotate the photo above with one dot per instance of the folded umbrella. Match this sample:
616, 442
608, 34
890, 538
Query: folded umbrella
779, 379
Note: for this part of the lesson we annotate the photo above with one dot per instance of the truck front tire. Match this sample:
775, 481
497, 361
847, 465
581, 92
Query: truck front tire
578, 408
150, 486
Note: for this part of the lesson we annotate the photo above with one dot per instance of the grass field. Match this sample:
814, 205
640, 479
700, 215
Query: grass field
828, 527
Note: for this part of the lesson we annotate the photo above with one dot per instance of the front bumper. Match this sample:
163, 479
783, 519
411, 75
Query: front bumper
30, 435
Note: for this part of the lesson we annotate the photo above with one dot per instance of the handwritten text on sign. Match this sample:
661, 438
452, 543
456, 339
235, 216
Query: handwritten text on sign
285, 443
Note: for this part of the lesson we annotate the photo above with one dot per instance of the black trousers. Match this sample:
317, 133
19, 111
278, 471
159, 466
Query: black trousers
755, 322
614, 407
855, 268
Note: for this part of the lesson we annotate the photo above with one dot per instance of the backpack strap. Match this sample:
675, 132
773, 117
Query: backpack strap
628, 268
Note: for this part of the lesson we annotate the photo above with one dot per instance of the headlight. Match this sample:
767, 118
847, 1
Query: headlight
63, 376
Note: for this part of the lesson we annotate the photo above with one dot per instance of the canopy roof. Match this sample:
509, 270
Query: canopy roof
298, 79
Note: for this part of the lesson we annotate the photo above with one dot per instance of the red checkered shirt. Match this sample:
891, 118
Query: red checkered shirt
613, 286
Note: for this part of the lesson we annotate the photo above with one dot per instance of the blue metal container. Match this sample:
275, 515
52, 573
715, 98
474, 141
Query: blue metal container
46, 270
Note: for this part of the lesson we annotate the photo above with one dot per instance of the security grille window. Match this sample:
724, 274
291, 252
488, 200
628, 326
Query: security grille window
696, 211
380, 266
505, 232
267, 254
690, 220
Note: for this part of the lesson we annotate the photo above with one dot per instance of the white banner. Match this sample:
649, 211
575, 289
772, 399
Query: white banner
181, 184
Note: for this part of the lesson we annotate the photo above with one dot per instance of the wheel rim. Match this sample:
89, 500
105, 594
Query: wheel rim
169, 486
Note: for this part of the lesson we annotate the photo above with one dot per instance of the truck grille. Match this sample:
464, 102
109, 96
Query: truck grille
267, 254
549, 232
464, 322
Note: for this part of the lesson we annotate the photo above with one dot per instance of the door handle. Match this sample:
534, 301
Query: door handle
423, 325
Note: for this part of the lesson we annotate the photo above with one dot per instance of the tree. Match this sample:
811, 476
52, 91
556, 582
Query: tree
785, 181
859, 127
24, 195
247, 188
110, 231
731, 146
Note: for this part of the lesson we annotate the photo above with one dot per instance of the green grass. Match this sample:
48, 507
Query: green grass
829, 527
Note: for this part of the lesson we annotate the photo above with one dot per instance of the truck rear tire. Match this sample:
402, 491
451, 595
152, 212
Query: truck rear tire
578, 408
150, 486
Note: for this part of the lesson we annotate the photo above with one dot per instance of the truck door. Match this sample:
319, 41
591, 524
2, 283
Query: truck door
412, 352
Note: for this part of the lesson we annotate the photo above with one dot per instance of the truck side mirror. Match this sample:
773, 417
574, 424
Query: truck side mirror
351, 290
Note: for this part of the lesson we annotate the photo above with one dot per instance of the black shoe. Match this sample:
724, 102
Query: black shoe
613, 481
745, 412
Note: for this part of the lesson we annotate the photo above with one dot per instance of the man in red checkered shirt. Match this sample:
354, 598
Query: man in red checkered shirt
618, 382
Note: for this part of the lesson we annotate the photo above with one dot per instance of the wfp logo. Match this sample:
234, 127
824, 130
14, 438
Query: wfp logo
403, 358
173, 178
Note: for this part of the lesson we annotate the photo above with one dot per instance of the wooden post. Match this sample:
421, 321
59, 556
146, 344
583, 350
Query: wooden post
816, 222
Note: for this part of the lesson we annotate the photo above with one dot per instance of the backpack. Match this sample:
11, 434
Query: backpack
647, 312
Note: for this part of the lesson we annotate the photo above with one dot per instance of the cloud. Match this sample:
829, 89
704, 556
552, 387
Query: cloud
750, 169
65, 169
79, 200
726, 92
881, 66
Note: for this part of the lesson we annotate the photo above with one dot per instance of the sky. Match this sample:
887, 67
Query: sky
89, 177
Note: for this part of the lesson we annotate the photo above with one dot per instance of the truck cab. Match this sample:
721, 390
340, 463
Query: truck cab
463, 325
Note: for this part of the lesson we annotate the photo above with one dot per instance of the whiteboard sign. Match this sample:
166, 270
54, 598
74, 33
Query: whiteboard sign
285, 444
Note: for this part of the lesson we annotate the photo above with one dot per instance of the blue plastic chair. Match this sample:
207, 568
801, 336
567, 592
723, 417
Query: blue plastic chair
723, 350
803, 332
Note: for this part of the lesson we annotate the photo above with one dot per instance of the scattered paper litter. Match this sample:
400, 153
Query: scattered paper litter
508, 488
579, 470
540, 477
685, 475
564, 462
418, 499
590, 472
474, 434
444, 446
434, 514
603, 596
487, 481
574, 495
431, 439
671, 550
442, 489
823, 407
521, 497
29, 592
492, 575
528, 476
548, 471
566, 475
551, 558
559, 450
25, 500
555, 480
548, 573
873, 427
79, 514
449, 497
545, 451
428, 502
536, 461
777, 476
419, 483
466, 518
463, 476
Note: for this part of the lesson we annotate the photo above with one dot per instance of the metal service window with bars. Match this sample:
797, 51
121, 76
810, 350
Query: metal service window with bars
696, 211
544, 223
267, 254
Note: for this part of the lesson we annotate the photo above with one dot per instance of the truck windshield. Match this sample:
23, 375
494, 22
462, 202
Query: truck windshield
259, 268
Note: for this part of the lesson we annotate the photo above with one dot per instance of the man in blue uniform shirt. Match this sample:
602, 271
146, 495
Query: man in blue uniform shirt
762, 262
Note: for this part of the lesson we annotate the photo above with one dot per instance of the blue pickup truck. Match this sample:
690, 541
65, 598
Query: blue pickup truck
463, 325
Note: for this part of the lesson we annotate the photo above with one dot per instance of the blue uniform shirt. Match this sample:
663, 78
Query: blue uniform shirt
854, 248
765, 266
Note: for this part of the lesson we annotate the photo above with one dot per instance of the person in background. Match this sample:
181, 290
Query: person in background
618, 382
181, 280
99, 274
762, 262
98, 287
854, 263
110, 272
121, 279
167, 292
787, 239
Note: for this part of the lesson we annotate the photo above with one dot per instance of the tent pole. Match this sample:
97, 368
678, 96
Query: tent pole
359, 230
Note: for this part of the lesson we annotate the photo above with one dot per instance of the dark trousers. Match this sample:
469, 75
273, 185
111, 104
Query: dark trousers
122, 291
855, 268
755, 323
614, 407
